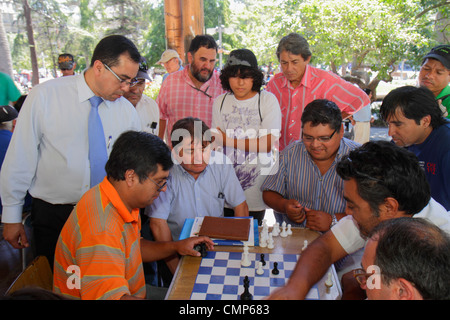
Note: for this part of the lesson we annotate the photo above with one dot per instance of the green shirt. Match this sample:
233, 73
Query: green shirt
8, 90
446, 101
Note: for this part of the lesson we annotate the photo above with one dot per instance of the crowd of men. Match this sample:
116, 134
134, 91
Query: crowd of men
99, 159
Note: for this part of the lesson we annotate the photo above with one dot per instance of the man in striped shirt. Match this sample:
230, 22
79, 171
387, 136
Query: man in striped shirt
100, 251
306, 185
191, 91
299, 83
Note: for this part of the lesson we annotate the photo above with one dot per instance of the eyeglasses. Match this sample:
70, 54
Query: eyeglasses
160, 186
361, 276
131, 83
323, 139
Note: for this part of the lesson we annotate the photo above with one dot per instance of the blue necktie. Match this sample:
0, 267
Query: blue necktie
97, 145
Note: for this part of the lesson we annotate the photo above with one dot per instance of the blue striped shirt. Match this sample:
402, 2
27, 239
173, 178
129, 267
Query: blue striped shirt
299, 178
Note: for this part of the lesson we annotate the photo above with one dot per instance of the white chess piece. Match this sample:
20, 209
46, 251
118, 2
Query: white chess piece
328, 282
276, 229
245, 262
305, 244
270, 242
283, 233
260, 269
289, 231
263, 242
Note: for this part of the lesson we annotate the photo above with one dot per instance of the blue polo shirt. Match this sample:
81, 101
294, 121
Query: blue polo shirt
186, 197
434, 157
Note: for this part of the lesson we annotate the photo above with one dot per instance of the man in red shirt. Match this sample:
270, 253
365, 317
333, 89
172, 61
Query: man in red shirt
191, 91
299, 83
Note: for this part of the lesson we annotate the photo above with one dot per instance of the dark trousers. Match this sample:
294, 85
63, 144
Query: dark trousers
47, 221
258, 215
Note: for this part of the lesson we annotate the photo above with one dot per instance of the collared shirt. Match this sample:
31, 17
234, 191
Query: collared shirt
102, 238
178, 98
48, 154
148, 112
347, 232
299, 178
189, 198
315, 84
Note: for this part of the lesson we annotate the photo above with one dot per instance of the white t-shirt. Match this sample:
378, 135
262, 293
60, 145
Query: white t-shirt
347, 232
149, 114
249, 119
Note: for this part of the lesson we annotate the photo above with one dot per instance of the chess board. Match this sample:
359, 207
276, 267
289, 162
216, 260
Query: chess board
220, 277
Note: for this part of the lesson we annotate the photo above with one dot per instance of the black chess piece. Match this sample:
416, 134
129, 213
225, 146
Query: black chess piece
262, 259
246, 295
275, 270
202, 249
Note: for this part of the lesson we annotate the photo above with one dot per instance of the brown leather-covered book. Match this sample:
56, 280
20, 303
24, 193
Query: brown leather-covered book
225, 228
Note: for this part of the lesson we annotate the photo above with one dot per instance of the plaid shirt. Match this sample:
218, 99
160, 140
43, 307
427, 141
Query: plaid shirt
316, 84
179, 98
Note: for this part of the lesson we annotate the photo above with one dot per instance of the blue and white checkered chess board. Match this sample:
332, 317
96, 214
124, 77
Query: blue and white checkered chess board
221, 277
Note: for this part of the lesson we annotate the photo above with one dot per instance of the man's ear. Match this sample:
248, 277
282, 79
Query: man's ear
190, 57
404, 290
130, 177
426, 121
389, 209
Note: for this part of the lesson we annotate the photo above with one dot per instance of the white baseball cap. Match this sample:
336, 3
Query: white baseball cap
167, 55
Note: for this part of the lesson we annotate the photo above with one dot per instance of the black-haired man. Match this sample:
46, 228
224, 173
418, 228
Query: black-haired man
50, 153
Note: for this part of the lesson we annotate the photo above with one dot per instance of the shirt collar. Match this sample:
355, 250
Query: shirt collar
305, 80
117, 202
84, 92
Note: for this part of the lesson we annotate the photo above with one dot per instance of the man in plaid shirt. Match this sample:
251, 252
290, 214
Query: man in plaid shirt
191, 91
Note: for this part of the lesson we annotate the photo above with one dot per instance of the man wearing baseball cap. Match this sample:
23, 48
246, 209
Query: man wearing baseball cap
66, 64
171, 61
145, 106
435, 75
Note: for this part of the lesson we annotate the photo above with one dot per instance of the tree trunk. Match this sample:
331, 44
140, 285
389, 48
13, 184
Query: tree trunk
34, 62
5, 53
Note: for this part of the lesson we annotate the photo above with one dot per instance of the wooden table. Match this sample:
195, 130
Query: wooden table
186, 273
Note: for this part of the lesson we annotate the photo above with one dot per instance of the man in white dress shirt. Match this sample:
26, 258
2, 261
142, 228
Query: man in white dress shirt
146, 107
48, 154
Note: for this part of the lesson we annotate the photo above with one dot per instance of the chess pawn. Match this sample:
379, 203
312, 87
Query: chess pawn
305, 244
263, 242
328, 282
270, 242
245, 262
289, 231
260, 270
276, 229
283, 233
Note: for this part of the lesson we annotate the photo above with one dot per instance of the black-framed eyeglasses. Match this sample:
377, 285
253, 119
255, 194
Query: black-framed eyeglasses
131, 83
323, 139
160, 186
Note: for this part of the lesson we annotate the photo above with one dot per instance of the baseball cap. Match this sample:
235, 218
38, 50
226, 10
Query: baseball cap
143, 68
242, 57
8, 113
441, 53
167, 55
65, 61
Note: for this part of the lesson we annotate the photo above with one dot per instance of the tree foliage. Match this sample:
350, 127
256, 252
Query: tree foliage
365, 38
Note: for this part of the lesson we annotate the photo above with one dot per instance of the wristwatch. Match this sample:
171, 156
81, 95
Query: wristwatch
333, 220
